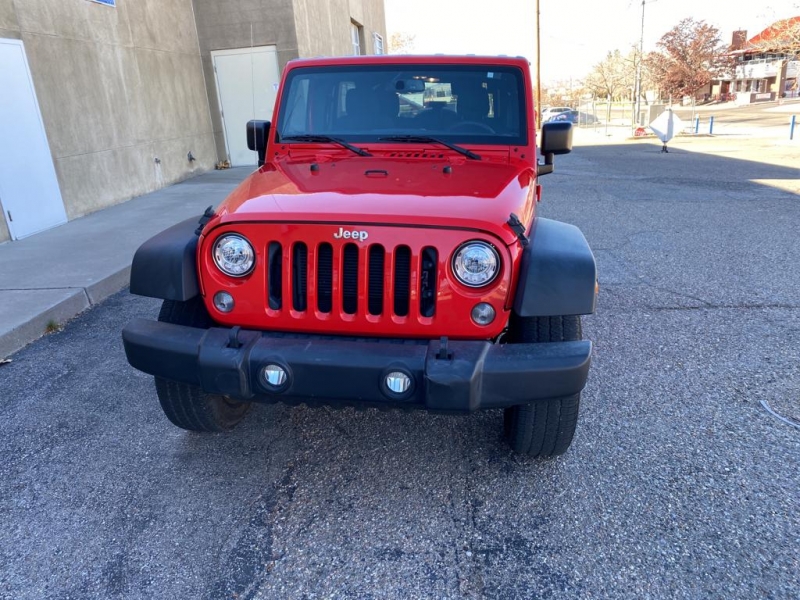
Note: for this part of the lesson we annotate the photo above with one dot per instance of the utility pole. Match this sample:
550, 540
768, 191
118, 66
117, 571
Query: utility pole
638, 84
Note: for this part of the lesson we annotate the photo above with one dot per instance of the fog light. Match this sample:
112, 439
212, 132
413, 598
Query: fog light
483, 313
274, 376
223, 302
398, 382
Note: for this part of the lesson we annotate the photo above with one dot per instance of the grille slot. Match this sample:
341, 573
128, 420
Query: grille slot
427, 282
402, 280
274, 288
376, 263
350, 279
325, 278
300, 276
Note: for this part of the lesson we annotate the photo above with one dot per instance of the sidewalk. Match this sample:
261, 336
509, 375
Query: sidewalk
779, 104
52, 276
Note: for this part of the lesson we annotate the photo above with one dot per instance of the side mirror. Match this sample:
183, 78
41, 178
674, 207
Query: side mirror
556, 139
257, 137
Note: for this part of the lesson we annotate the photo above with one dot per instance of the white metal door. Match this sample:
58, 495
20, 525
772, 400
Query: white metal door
247, 85
29, 188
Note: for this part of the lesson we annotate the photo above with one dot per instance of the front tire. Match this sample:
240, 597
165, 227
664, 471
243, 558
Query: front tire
187, 406
545, 427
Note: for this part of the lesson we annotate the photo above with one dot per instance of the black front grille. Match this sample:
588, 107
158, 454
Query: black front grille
357, 268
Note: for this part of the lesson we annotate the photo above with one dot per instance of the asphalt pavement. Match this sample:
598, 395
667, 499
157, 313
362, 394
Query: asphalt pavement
680, 482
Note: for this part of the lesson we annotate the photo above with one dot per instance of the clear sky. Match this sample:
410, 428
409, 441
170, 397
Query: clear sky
575, 34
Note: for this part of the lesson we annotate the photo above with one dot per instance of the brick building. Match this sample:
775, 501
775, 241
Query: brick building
767, 65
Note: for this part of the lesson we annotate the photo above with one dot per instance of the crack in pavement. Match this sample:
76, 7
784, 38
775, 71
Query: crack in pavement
788, 421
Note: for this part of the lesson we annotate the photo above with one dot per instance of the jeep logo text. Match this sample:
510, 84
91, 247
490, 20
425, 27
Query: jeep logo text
350, 234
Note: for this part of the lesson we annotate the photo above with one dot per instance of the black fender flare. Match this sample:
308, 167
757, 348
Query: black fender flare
558, 274
165, 266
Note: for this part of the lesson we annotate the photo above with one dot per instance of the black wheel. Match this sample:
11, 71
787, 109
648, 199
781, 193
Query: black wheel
187, 406
546, 427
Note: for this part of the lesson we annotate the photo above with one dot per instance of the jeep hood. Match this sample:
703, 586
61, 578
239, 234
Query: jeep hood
447, 192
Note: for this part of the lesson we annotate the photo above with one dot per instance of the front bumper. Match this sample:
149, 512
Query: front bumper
471, 375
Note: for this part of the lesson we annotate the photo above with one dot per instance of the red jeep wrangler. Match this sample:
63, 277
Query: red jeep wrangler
385, 253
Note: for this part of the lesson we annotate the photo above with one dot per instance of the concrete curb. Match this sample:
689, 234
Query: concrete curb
109, 285
35, 326
60, 311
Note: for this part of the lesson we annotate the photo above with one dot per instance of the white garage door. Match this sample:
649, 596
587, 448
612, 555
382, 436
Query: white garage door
29, 188
247, 82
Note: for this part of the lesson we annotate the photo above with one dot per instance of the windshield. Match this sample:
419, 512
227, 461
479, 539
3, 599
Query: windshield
459, 104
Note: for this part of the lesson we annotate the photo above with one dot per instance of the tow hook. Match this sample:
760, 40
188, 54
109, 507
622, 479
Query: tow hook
444, 352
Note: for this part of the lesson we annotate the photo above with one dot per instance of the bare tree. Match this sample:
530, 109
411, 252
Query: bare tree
563, 93
783, 37
611, 78
690, 55
401, 43
615, 76
632, 61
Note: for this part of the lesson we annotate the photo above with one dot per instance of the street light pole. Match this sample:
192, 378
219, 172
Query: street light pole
638, 84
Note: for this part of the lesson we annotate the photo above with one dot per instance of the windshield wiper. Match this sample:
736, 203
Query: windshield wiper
424, 139
323, 139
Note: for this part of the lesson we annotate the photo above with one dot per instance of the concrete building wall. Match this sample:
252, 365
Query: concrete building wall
9, 28
295, 27
372, 16
240, 24
118, 87
323, 26
127, 92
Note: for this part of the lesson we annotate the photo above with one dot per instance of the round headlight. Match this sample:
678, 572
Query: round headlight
234, 255
476, 263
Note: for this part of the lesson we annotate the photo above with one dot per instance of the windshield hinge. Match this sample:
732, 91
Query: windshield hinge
518, 228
